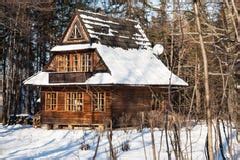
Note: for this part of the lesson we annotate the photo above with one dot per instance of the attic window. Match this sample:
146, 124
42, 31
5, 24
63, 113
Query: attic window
75, 33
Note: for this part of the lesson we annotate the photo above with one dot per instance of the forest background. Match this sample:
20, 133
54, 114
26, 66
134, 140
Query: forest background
201, 41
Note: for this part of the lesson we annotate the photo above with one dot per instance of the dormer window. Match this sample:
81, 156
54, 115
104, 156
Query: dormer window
75, 35
86, 63
74, 62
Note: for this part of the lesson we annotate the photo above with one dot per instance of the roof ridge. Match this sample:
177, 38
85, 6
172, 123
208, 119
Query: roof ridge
88, 11
107, 15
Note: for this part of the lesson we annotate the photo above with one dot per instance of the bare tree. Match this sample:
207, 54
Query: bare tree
206, 82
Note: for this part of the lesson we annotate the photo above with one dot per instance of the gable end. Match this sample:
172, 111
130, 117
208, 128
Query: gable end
75, 33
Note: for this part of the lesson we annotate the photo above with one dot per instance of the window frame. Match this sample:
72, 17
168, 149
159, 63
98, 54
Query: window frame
86, 62
75, 30
69, 105
61, 63
52, 106
96, 102
75, 62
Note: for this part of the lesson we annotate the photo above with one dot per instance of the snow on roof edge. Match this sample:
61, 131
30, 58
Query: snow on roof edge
157, 77
98, 84
70, 47
31, 77
80, 10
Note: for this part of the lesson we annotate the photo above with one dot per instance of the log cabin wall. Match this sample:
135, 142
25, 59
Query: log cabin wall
128, 102
62, 116
119, 100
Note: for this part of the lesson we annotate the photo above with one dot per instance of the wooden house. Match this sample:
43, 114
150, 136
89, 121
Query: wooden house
104, 67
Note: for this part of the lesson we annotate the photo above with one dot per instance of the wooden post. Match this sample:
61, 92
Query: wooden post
100, 128
70, 127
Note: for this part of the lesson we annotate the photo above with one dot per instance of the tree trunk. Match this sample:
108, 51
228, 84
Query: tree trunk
153, 141
206, 83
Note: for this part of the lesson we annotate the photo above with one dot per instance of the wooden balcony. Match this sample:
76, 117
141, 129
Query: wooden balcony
69, 77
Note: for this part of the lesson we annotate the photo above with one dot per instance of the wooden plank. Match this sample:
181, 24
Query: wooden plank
61, 101
87, 103
130, 101
79, 121
42, 108
69, 77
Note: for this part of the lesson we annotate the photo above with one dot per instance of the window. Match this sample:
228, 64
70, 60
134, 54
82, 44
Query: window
74, 62
99, 101
86, 63
51, 100
75, 35
60, 63
74, 101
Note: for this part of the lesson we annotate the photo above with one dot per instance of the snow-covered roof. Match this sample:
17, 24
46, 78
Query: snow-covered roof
115, 32
127, 67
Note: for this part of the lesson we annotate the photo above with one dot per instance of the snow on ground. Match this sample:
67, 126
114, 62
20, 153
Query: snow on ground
25, 142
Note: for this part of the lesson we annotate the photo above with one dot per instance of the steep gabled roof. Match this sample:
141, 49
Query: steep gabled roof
114, 32
127, 67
